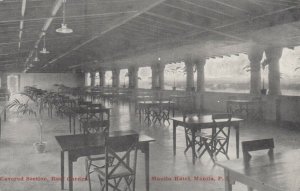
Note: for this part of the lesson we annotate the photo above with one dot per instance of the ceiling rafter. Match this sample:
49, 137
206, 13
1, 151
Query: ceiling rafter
207, 8
144, 17
231, 6
71, 17
108, 30
159, 28
249, 19
272, 3
134, 32
152, 33
48, 39
189, 11
196, 26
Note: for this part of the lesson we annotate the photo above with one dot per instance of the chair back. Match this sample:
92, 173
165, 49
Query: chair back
221, 124
124, 151
256, 145
97, 120
95, 126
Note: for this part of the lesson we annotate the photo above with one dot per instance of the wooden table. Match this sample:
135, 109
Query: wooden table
248, 107
203, 122
93, 144
278, 173
147, 104
77, 111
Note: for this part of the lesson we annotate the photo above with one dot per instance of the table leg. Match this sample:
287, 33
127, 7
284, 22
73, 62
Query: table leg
147, 160
237, 140
228, 185
70, 164
173, 110
174, 138
193, 145
62, 169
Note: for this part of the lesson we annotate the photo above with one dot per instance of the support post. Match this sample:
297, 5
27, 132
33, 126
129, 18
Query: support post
93, 77
116, 78
200, 63
161, 76
102, 77
255, 56
189, 65
273, 55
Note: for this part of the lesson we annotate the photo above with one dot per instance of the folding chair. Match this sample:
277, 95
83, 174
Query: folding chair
188, 133
122, 172
256, 145
218, 141
95, 123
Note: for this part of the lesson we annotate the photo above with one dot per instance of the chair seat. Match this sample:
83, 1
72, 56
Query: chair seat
96, 157
215, 138
121, 171
198, 134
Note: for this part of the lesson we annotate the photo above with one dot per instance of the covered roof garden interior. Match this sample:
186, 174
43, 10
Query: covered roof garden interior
203, 56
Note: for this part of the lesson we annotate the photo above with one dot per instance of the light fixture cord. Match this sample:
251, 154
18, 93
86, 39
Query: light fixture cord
64, 10
44, 40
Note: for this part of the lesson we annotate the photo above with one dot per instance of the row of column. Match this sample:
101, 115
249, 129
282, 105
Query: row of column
273, 55
158, 75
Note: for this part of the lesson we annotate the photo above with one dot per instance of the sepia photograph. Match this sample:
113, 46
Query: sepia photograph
150, 95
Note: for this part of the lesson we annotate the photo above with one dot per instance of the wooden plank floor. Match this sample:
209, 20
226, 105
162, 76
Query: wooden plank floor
18, 159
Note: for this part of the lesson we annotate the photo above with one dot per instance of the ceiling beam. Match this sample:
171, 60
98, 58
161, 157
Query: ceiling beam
174, 26
195, 26
71, 17
106, 31
231, 6
248, 20
155, 27
207, 8
34, 40
189, 11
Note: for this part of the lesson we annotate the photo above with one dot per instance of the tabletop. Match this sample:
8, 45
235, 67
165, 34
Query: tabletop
243, 101
155, 102
202, 119
80, 141
280, 173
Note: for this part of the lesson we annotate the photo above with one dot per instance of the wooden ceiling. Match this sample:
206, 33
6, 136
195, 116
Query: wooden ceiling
108, 30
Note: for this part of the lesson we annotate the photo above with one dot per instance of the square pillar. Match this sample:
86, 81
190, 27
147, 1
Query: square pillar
102, 77
161, 76
93, 78
133, 77
255, 56
273, 55
116, 78
189, 66
154, 77
200, 63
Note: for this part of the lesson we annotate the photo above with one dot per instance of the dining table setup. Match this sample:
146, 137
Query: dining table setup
81, 145
155, 110
197, 122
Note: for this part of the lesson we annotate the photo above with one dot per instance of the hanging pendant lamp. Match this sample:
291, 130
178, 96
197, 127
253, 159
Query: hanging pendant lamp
44, 50
64, 29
